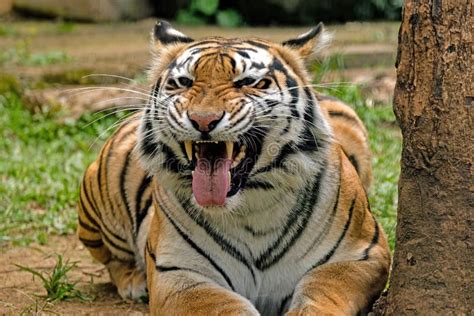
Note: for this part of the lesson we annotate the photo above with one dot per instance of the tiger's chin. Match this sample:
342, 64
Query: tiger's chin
220, 170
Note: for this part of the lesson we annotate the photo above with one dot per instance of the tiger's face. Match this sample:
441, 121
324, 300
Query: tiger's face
224, 112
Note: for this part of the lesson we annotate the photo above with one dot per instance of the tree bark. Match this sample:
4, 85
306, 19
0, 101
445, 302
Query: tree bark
433, 260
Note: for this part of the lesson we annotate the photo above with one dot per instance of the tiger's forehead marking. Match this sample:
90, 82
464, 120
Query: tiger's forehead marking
245, 57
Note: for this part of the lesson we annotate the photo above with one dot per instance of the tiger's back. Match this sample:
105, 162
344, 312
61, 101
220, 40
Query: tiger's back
351, 134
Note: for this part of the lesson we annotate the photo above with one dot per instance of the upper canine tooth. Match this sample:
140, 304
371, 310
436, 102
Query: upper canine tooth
189, 149
230, 149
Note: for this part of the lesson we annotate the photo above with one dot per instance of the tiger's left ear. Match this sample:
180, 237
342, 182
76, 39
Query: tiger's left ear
164, 34
309, 44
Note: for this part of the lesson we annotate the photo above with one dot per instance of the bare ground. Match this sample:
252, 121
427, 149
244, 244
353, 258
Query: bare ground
20, 293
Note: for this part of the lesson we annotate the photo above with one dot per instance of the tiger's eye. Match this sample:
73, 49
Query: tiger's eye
263, 84
185, 82
247, 81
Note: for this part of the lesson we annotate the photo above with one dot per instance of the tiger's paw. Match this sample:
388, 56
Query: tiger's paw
133, 287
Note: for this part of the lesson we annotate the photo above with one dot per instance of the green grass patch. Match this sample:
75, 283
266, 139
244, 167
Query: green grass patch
41, 164
21, 55
57, 284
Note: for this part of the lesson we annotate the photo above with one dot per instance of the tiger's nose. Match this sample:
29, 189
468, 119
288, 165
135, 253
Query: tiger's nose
205, 121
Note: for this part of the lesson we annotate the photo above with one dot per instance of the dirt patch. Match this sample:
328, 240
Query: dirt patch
20, 292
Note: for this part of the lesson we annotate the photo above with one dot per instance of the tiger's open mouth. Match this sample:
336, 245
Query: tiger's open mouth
219, 170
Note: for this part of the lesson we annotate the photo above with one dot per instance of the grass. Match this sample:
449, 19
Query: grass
21, 54
56, 283
41, 164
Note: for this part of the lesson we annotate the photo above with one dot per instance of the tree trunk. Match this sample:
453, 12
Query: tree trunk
433, 261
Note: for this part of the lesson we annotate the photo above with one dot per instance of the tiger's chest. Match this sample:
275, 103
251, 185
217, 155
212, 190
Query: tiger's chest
263, 266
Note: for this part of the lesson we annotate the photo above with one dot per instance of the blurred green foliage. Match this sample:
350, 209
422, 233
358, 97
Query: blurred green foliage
20, 55
201, 12
385, 9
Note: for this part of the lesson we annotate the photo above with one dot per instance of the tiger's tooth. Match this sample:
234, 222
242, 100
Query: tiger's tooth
189, 149
230, 149
230, 178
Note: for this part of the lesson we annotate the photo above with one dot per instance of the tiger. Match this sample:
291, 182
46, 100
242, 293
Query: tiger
237, 189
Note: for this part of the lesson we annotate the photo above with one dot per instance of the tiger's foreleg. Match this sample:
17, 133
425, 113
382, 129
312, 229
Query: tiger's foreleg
129, 280
340, 288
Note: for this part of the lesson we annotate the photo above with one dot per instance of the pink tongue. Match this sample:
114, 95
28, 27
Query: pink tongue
211, 181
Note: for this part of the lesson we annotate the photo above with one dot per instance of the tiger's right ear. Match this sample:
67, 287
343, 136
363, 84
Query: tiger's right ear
164, 34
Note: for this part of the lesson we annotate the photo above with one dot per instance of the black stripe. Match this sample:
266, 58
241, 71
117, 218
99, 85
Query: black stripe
171, 162
225, 245
163, 269
292, 89
328, 224
99, 179
141, 213
278, 66
259, 233
373, 242
233, 64
176, 120
147, 146
97, 243
259, 184
243, 54
343, 234
123, 181
87, 226
140, 216
344, 115
86, 210
257, 44
309, 143
204, 42
114, 245
167, 269
354, 162
103, 226
291, 85
287, 150
196, 248
296, 222
243, 48
283, 303
150, 251
241, 118
90, 198
258, 66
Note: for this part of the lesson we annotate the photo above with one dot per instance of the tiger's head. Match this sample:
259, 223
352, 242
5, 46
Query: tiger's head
230, 120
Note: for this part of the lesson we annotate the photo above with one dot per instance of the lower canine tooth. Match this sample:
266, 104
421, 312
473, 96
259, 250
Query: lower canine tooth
230, 177
189, 149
